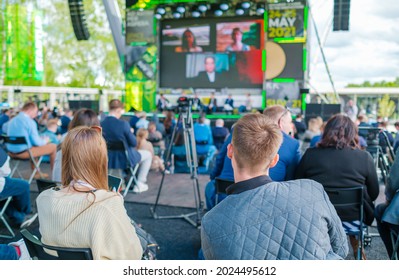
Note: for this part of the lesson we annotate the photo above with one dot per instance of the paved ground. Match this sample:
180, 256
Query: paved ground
177, 238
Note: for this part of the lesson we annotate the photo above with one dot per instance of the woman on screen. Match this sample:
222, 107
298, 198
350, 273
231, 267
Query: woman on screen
189, 43
237, 45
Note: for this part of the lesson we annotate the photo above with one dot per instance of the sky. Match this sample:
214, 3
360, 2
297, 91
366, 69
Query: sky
369, 51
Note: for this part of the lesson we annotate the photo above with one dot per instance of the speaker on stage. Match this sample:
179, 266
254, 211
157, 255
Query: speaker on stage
78, 19
341, 15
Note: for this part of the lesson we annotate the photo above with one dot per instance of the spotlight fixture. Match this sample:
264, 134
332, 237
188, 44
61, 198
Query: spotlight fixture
160, 10
195, 11
176, 13
181, 8
215, 10
203, 7
260, 8
158, 16
246, 4
239, 10
224, 6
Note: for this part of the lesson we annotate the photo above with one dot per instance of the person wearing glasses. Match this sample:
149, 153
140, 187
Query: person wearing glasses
83, 213
115, 129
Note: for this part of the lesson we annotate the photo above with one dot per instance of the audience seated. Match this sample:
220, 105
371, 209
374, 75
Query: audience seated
142, 122
204, 141
261, 219
396, 142
386, 213
14, 251
223, 170
385, 135
4, 117
300, 126
335, 163
82, 117
219, 133
133, 121
155, 137
83, 213
116, 129
24, 125
19, 211
50, 132
142, 144
65, 120
289, 154
313, 130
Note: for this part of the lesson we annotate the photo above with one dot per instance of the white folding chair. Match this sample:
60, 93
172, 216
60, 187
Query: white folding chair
5, 202
22, 141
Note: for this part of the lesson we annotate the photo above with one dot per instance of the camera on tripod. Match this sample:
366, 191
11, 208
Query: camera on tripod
184, 103
370, 134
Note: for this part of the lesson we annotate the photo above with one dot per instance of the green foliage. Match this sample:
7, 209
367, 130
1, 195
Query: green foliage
383, 83
386, 106
68, 62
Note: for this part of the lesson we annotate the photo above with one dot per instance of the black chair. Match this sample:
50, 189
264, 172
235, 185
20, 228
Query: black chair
118, 147
344, 198
221, 185
37, 250
395, 244
22, 141
4, 202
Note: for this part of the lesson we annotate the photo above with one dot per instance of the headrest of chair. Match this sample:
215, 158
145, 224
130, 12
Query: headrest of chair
3, 157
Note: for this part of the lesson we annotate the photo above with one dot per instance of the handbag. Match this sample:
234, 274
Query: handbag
148, 243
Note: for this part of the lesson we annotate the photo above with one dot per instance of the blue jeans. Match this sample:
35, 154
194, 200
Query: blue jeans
20, 203
8, 252
210, 195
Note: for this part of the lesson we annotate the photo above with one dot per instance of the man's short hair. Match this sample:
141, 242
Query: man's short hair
256, 140
29, 106
115, 104
274, 113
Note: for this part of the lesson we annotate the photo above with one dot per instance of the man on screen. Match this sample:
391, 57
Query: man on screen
209, 77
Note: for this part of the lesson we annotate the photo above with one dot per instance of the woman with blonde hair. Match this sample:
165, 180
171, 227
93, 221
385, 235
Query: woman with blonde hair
142, 143
83, 213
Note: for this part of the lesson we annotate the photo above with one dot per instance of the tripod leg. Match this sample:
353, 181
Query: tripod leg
167, 159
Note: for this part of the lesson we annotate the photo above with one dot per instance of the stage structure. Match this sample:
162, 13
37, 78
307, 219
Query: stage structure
271, 63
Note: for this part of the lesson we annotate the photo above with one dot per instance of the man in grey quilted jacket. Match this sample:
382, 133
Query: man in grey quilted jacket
261, 219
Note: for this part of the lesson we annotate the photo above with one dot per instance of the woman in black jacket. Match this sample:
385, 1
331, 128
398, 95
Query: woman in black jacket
337, 161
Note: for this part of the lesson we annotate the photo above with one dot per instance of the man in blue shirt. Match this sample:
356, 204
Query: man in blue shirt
24, 125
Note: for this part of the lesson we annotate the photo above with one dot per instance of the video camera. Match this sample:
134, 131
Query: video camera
370, 134
184, 102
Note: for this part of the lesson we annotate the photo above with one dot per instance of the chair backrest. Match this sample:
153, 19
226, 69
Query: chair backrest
36, 250
119, 146
43, 184
347, 198
15, 140
116, 146
222, 184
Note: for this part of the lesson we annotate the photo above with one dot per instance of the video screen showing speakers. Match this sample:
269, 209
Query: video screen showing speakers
211, 53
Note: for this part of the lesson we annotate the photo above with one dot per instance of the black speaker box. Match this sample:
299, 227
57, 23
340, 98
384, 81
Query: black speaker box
78, 20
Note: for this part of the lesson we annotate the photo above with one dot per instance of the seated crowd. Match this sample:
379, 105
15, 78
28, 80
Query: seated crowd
275, 206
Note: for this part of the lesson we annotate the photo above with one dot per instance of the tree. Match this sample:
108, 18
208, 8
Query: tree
68, 62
